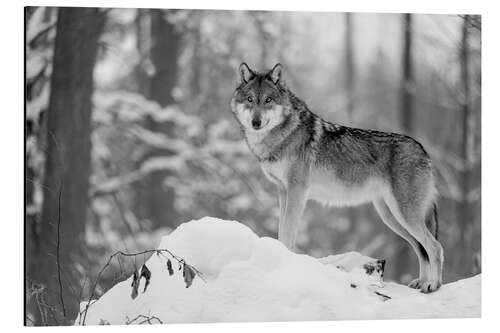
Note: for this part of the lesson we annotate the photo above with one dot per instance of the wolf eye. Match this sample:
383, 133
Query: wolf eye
268, 100
250, 99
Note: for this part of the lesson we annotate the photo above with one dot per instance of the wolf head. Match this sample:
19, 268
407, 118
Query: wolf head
260, 102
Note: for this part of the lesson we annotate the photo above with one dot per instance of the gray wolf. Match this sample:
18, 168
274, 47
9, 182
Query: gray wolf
307, 157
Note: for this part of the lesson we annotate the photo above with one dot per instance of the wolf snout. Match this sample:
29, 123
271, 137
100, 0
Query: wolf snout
256, 123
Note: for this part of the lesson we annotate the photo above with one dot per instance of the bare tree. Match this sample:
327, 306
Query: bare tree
466, 218
196, 85
403, 257
408, 80
142, 27
157, 199
352, 213
349, 64
59, 241
259, 19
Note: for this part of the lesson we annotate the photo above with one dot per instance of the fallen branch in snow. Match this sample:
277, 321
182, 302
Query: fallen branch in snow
384, 297
189, 273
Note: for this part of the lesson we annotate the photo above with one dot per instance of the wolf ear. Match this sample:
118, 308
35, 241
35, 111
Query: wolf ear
245, 72
275, 73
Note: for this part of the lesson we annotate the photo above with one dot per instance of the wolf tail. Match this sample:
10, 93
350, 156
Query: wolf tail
432, 222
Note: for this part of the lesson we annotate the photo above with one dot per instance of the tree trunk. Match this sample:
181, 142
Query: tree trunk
142, 86
403, 263
408, 84
67, 163
466, 218
165, 49
196, 85
352, 213
259, 18
143, 41
349, 66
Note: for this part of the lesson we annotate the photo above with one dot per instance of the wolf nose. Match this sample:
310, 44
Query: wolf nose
256, 123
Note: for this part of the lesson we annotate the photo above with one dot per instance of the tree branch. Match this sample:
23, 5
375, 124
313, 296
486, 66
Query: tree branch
472, 20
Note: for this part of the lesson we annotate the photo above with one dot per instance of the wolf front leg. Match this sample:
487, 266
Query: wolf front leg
281, 201
296, 198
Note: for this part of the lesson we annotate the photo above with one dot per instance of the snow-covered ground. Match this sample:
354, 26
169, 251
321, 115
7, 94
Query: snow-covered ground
248, 278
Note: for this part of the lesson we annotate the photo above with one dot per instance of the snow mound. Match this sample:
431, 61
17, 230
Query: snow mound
248, 278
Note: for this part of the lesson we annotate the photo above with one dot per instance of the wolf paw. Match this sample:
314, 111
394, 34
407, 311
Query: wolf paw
430, 286
415, 284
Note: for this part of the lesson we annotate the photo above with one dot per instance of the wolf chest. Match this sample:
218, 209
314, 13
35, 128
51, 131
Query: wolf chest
275, 171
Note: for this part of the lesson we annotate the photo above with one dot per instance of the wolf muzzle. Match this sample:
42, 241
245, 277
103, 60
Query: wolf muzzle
256, 123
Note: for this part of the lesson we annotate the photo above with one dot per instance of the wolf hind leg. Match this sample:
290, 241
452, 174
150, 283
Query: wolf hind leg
411, 215
423, 259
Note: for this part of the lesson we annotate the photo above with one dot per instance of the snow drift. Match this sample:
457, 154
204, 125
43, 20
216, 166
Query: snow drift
248, 278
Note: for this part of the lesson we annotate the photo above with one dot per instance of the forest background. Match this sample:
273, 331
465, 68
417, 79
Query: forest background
129, 133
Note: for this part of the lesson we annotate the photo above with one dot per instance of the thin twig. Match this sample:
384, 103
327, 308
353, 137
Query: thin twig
146, 319
58, 250
59, 151
41, 33
38, 293
66, 278
82, 289
30, 320
473, 22
35, 182
179, 260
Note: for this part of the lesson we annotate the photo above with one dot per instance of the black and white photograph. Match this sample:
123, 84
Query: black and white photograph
208, 165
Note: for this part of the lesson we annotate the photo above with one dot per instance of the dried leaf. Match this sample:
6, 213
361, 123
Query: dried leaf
135, 285
169, 267
189, 274
146, 273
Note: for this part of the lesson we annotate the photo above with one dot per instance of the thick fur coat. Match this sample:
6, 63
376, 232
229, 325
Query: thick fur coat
308, 157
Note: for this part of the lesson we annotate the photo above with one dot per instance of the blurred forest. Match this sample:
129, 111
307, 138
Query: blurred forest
129, 132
